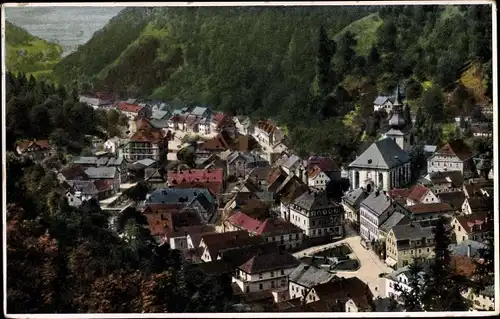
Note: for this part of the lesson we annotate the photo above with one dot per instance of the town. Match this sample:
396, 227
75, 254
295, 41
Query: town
243, 204
250, 159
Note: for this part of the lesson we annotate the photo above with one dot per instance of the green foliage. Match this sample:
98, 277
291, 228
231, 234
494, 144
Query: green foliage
412, 298
29, 54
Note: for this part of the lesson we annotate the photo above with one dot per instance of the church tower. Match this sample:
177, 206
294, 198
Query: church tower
400, 131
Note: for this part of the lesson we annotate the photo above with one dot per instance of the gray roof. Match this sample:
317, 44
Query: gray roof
380, 100
199, 111
146, 162
379, 203
309, 276
489, 291
158, 123
93, 101
176, 195
430, 148
412, 231
312, 201
355, 197
291, 161
101, 172
131, 101
461, 249
86, 187
396, 218
115, 161
159, 115
90, 160
382, 154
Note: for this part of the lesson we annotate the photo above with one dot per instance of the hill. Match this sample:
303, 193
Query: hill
29, 54
365, 31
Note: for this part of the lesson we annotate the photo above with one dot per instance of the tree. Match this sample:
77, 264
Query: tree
59, 138
41, 125
433, 104
326, 49
443, 286
413, 89
407, 115
412, 297
138, 192
386, 36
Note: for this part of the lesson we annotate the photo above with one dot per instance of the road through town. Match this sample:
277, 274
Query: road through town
370, 265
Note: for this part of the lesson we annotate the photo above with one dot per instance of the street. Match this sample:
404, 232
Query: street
370, 265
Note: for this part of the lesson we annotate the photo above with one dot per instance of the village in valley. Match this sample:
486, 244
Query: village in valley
335, 159
234, 199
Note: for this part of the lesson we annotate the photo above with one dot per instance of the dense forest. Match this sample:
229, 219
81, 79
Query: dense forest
322, 65
62, 259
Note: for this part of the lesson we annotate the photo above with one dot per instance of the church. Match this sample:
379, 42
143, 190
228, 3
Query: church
385, 164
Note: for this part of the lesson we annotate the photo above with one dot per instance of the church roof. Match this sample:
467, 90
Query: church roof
382, 154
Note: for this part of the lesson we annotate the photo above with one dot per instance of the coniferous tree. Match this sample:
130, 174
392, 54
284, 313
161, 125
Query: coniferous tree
407, 115
443, 287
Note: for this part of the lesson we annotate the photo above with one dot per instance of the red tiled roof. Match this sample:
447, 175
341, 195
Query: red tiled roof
144, 124
472, 223
131, 108
160, 224
398, 193
195, 175
245, 222
324, 163
274, 175
456, 148
267, 126
44, 144
153, 136
217, 143
73, 172
418, 192
102, 185
430, 208
277, 226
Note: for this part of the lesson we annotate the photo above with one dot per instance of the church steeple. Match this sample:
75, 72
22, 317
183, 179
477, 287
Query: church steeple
397, 120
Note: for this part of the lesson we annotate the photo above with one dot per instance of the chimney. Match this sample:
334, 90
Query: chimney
468, 250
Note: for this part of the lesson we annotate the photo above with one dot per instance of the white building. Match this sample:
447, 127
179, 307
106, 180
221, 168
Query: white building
315, 215
397, 278
375, 210
265, 272
454, 156
383, 166
400, 131
304, 278
317, 178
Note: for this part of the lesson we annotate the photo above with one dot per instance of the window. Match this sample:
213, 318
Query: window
272, 273
260, 276
428, 249
459, 228
313, 223
411, 252
419, 251
296, 236
260, 286
282, 272
314, 231
404, 253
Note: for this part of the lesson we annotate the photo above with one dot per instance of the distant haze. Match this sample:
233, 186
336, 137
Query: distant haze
68, 26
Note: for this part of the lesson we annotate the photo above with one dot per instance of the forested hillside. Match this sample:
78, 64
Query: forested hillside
306, 67
29, 54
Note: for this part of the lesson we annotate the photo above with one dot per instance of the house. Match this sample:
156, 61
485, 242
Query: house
351, 202
292, 165
386, 102
315, 215
109, 174
217, 143
36, 149
130, 110
406, 242
400, 131
201, 112
72, 173
304, 278
456, 155
204, 126
477, 226
474, 189
221, 121
383, 166
213, 244
400, 277
326, 164
144, 143
482, 130
431, 211
374, 211
285, 234
79, 191
317, 178
159, 118
469, 248
267, 132
95, 102
211, 175
343, 295
455, 199
420, 194
484, 300
244, 125
179, 238
239, 164
245, 143
199, 200
477, 204
258, 176
443, 182
265, 272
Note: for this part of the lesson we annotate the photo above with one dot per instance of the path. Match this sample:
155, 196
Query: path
371, 265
